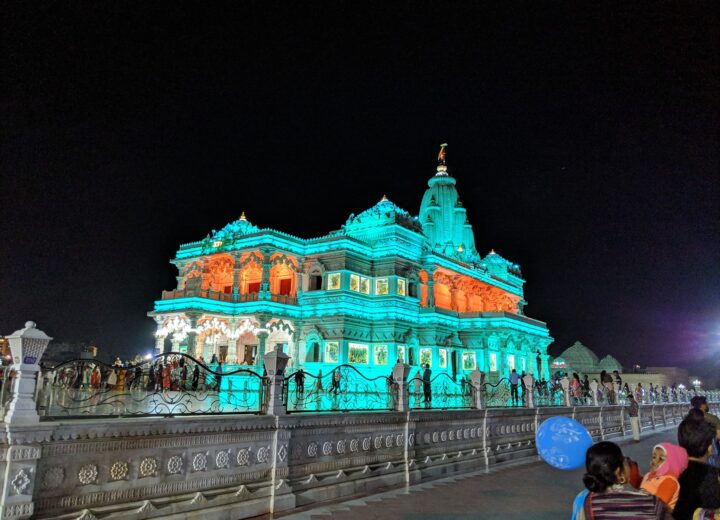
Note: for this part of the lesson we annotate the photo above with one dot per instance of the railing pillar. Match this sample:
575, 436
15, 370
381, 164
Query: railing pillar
528, 385
27, 346
400, 374
478, 380
565, 384
593, 390
275, 363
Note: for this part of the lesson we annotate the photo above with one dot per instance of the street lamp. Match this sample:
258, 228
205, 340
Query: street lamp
696, 383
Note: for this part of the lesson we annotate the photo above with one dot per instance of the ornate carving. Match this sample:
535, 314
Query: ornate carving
282, 453
148, 467
21, 482
263, 455
222, 459
119, 470
327, 448
340, 447
175, 464
354, 445
312, 449
243, 457
88, 474
199, 462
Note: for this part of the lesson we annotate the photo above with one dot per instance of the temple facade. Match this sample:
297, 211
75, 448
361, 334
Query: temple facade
387, 285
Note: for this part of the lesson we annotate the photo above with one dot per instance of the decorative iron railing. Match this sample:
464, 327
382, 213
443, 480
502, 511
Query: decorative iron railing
225, 297
170, 384
442, 392
343, 389
549, 394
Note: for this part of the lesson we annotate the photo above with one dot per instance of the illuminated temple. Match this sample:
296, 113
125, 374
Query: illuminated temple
387, 285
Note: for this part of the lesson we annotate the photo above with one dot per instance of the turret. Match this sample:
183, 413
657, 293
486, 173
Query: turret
443, 217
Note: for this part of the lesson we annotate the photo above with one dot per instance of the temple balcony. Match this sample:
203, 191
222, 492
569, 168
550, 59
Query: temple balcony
226, 297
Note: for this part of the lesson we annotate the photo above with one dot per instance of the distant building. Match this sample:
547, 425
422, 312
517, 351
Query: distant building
61, 351
581, 360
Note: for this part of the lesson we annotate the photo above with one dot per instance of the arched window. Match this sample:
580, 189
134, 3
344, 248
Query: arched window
313, 352
315, 281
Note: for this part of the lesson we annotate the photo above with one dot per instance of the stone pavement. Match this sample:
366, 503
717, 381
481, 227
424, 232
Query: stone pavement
521, 491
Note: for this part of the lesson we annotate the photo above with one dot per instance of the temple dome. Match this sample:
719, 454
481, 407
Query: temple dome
240, 227
609, 364
384, 213
580, 358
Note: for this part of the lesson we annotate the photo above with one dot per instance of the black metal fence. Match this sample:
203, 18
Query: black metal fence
167, 385
343, 389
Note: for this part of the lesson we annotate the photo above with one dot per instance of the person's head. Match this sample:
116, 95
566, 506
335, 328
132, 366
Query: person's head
513, 370
631, 397
605, 466
575, 376
668, 459
696, 437
602, 373
700, 402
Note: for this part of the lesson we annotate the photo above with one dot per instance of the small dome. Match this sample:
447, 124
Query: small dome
240, 227
384, 213
609, 364
581, 358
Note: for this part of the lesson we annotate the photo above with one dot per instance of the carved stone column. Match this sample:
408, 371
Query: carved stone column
262, 336
430, 292
193, 318
264, 293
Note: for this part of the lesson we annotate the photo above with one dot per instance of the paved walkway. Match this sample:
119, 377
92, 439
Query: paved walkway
533, 490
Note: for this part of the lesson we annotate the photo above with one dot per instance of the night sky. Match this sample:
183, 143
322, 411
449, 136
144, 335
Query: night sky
583, 137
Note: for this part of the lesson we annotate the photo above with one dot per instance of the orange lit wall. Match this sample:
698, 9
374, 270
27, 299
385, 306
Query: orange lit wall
462, 293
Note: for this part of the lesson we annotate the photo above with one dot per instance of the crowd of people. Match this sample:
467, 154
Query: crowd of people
172, 373
683, 482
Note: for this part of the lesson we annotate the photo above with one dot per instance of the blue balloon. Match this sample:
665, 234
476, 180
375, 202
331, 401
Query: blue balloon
562, 442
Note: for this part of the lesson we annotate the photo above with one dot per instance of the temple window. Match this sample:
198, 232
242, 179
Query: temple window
357, 353
401, 287
425, 356
253, 287
493, 362
313, 352
523, 363
333, 283
412, 357
332, 351
380, 354
468, 359
401, 353
442, 358
285, 286
381, 286
511, 362
315, 282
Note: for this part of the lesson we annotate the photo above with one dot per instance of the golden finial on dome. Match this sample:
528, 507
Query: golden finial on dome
242, 216
442, 166
384, 199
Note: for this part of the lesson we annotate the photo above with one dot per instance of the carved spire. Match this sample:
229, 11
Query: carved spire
442, 165
242, 216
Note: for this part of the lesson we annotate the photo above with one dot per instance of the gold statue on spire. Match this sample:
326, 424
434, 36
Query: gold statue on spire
442, 167
441, 155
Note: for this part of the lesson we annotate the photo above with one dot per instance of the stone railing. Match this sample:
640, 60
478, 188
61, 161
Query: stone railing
238, 467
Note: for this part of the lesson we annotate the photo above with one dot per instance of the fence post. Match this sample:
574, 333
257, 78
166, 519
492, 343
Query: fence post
565, 384
400, 373
275, 363
528, 385
19, 466
477, 379
594, 389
